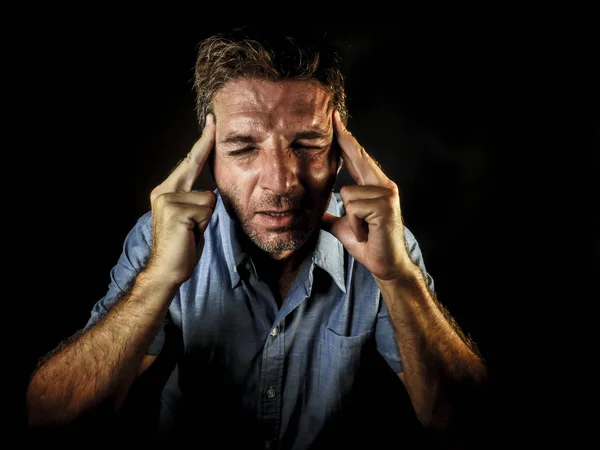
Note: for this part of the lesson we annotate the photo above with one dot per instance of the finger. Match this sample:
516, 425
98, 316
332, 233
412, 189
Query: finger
359, 201
200, 215
376, 212
186, 173
363, 169
200, 198
189, 215
338, 226
355, 192
202, 218
328, 222
195, 218
356, 222
335, 225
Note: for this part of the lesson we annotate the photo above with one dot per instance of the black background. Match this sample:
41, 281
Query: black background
455, 116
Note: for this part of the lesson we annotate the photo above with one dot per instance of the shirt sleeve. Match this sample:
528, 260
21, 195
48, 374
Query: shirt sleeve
384, 332
134, 256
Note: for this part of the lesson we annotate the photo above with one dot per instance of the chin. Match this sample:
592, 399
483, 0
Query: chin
273, 241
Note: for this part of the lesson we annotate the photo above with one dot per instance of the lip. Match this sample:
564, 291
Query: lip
278, 221
275, 211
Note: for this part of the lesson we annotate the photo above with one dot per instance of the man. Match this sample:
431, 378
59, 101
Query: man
274, 298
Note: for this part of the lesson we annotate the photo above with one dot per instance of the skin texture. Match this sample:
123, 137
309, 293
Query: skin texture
273, 152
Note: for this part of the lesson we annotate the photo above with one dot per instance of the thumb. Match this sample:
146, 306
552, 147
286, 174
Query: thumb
329, 223
339, 227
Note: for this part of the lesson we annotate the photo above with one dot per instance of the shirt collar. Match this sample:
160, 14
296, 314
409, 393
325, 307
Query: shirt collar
234, 255
328, 254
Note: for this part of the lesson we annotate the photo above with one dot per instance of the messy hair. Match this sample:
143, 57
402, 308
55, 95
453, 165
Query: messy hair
249, 53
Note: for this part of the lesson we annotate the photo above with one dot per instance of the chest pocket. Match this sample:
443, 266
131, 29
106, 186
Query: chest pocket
341, 360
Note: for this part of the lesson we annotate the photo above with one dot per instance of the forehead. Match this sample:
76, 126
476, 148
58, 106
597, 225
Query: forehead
267, 105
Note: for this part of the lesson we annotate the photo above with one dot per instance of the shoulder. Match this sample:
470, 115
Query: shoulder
409, 238
144, 222
143, 227
140, 233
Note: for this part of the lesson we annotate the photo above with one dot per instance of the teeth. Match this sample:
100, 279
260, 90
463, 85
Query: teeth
279, 214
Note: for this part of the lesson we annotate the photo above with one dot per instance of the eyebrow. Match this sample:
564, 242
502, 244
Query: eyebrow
238, 139
313, 134
235, 138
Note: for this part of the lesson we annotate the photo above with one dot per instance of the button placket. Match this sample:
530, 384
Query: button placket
272, 381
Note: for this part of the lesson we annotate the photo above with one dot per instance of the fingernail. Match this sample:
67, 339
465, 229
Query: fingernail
210, 119
337, 116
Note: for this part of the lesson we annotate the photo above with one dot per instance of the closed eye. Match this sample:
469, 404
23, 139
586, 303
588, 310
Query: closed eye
242, 151
307, 147
245, 151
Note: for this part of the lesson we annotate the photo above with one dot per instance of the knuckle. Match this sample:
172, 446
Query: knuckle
393, 187
155, 193
204, 198
350, 208
155, 199
389, 202
169, 210
160, 200
211, 198
206, 212
344, 191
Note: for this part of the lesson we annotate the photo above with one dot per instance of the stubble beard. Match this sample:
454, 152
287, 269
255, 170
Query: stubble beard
274, 241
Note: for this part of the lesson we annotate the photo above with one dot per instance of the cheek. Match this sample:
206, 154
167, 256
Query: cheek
227, 171
236, 180
319, 169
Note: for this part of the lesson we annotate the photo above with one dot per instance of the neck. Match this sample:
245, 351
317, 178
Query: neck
282, 262
278, 270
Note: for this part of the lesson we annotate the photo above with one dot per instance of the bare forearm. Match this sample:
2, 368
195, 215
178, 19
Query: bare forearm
100, 364
436, 356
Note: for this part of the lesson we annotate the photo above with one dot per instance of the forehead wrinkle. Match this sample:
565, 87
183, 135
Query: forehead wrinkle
284, 109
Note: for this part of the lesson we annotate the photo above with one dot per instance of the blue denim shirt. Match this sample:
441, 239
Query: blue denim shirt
270, 376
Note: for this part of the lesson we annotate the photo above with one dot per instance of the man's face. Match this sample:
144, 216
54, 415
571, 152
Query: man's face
274, 162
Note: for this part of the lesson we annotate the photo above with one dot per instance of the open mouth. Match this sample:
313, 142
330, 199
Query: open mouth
279, 214
279, 218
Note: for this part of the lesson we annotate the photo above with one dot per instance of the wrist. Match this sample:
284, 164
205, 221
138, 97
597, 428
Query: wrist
409, 278
156, 278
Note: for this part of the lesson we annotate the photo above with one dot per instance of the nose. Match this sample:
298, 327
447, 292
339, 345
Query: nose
279, 172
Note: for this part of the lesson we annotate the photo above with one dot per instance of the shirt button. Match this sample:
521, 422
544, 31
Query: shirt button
274, 331
270, 392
